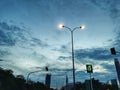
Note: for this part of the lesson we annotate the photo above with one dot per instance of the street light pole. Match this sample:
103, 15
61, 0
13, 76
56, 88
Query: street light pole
72, 45
73, 60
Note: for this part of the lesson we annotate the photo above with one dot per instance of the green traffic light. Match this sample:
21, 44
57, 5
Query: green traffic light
89, 68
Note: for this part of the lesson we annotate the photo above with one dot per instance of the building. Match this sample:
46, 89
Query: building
96, 85
48, 80
117, 65
87, 84
114, 83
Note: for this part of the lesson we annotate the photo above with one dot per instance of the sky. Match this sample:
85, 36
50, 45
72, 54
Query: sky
30, 38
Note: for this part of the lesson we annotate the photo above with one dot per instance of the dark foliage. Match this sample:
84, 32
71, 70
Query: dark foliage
9, 82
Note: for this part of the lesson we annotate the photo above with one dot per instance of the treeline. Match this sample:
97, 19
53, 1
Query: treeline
10, 82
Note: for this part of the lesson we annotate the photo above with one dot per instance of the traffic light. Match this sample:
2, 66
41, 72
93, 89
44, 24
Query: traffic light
46, 68
113, 51
89, 68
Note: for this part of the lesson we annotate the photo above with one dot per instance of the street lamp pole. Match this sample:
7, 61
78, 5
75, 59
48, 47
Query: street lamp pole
72, 45
73, 60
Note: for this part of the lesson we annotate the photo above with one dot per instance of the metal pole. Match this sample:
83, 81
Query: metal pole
28, 77
72, 30
73, 60
91, 82
66, 81
27, 81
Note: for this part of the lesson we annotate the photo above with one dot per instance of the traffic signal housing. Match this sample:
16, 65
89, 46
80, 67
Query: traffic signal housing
113, 52
46, 68
89, 68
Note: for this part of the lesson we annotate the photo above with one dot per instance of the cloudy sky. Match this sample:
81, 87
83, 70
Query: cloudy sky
30, 38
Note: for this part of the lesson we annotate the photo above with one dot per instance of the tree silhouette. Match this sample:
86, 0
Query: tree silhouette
9, 82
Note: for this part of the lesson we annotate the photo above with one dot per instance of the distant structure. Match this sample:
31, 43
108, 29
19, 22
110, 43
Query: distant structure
97, 85
114, 82
66, 80
117, 65
87, 84
48, 80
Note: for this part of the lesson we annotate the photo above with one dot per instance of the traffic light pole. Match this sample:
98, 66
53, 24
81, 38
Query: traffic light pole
91, 85
113, 51
90, 70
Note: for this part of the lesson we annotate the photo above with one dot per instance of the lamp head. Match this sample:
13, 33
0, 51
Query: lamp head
61, 26
82, 27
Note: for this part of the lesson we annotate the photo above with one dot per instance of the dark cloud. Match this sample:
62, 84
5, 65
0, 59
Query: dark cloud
63, 58
4, 53
60, 71
89, 53
63, 48
116, 41
104, 76
1, 60
93, 53
110, 6
36, 41
10, 35
5, 37
109, 67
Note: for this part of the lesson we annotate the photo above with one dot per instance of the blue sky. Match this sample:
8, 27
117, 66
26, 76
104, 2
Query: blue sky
30, 38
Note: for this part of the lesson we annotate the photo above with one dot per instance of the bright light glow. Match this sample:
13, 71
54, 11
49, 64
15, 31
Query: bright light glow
82, 27
61, 25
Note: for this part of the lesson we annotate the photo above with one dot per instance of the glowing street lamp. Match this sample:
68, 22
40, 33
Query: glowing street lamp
72, 30
61, 26
82, 27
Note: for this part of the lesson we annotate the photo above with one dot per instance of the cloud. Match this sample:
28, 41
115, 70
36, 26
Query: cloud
4, 53
99, 57
18, 46
19, 40
110, 6
38, 42
100, 53
104, 76
11, 35
116, 41
109, 67
5, 37
64, 57
93, 53
1, 60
